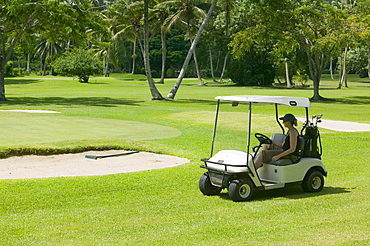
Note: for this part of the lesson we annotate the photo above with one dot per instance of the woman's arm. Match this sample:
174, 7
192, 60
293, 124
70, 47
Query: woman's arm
277, 143
293, 146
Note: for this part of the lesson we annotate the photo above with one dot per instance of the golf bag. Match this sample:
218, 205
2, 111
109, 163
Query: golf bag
312, 146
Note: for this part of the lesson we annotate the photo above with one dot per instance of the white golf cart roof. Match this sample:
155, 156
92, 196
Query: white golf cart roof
289, 101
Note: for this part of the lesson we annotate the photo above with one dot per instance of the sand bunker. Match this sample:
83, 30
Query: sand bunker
31, 111
27, 167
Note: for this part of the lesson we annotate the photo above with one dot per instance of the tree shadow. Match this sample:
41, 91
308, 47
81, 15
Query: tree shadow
196, 101
87, 101
362, 100
11, 81
291, 191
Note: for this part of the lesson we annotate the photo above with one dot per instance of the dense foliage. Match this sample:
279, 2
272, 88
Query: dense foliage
80, 63
252, 69
307, 33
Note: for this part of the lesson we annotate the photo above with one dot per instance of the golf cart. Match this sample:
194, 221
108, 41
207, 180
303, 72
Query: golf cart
235, 169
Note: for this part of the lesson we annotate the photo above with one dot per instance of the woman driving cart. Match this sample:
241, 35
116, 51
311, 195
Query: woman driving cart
277, 150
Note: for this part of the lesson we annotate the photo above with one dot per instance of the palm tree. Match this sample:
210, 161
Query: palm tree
46, 49
160, 15
184, 17
172, 93
128, 22
153, 89
126, 19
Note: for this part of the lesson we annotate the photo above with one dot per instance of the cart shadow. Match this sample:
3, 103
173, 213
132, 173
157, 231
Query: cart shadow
291, 192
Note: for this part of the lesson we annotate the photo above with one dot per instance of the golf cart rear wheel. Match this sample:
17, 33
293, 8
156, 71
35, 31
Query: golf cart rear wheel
313, 182
241, 190
206, 187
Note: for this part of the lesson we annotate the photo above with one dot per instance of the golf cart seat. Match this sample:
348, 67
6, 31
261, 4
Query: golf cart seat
278, 137
293, 158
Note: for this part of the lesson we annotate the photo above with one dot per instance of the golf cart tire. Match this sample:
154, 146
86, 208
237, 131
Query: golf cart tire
313, 181
241, 190
206, 187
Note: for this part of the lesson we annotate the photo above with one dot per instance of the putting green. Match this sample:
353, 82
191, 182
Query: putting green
23, 128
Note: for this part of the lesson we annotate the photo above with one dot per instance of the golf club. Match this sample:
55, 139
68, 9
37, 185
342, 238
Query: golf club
313, 117
318, 117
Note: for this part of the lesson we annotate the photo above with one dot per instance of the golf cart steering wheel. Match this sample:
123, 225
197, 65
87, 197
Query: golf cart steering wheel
263, 138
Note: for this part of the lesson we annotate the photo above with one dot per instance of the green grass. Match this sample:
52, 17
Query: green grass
165, 207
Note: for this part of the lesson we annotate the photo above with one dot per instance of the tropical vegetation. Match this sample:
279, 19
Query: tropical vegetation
251, 42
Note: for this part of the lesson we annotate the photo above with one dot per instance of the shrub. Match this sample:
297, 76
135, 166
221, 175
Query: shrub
80, 63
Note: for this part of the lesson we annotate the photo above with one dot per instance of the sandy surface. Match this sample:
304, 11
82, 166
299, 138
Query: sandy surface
27, 167
31, 111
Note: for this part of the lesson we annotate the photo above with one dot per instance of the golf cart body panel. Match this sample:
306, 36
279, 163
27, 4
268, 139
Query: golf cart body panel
230, 161
235, 169
291, 173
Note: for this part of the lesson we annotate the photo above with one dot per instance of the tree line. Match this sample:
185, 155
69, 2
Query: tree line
252, 42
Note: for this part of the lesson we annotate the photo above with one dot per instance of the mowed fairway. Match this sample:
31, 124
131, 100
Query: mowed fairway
165, 207
40, 128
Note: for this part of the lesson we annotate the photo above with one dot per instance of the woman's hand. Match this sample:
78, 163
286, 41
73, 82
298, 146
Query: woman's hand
275, 158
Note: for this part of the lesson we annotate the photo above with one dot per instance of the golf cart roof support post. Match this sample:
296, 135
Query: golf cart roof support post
249, 129
215, 127
249, 136
306, 123
277, 117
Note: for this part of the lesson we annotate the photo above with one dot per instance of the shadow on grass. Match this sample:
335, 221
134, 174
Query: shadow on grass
291, 191
87, 101
11, 81
195, 101
360, 100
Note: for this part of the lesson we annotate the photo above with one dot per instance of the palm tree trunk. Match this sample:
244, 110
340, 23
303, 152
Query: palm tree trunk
343, 77
51, 60
218, 60
133, 57
172, 93
288, 84
153, 89
28, 63
106, 63
224, 67
200, 81
331, 69
211, 62
164, 54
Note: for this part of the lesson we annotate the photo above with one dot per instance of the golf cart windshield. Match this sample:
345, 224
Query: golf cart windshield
234, 121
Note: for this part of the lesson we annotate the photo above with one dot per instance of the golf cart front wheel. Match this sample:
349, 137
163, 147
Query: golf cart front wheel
313, 182
206, 187
241, 190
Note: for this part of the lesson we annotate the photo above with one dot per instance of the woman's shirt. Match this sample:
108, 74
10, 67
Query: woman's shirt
286, 144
